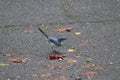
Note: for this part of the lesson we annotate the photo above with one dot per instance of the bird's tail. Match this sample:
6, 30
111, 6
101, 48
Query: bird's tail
43, 32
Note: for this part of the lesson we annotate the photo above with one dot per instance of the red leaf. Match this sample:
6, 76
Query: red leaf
66, 28
59, 57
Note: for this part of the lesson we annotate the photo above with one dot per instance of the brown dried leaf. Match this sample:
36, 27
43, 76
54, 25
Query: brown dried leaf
61, 78
66, 28
60, 67
18, 60
103, 36
77, 55
93, 67
36, 75
89, 74
46, 75
30, 30
71, 61
88, 65
8, 55
85, 44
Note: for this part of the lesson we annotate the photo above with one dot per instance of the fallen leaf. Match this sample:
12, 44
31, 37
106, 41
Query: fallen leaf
3, 64
77, 55
71, 50
59, 57
110, 62
18, 60
55, 67
89, 74
84, 44
30, 30
78, 33
61, 78
88, 65
89, 60
36, 75
17, 77
58, 67
46, 75
66, 28
103, 36
93, 67
97, 68
78, 78
38, 62
7, 54
71, 61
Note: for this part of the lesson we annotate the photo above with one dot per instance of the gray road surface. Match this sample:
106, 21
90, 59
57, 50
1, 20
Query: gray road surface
98, 20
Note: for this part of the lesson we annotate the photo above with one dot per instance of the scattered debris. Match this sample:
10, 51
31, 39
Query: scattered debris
89, 74
18, 60
103, 36
36, 75
7, 54
66, 28
61, 78
58, 67
78, 78
78, 33
93, 67
71, 61
77, 56
46, 75
30, 30
88, 65
3, 64
71, 50
110, 62
85, 44
89, 60
59, 57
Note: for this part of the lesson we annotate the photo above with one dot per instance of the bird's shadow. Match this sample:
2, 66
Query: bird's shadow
56, 52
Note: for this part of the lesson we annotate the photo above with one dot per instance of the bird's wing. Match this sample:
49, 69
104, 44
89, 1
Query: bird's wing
54, 41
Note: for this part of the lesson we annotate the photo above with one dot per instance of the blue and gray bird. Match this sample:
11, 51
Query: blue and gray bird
53, 40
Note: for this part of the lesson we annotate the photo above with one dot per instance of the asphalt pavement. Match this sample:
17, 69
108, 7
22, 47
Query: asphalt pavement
92, 48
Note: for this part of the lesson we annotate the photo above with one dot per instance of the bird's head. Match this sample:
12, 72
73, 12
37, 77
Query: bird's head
61, 39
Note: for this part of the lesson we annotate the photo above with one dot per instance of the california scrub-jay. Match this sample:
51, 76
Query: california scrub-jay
53, 40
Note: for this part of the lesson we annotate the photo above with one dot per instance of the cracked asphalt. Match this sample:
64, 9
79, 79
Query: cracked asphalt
97, 20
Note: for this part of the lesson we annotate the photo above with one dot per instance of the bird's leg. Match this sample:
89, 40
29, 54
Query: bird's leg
53, 48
